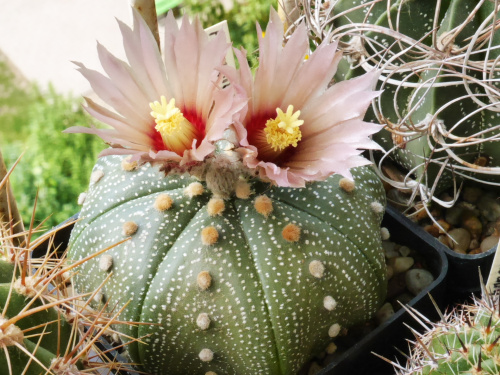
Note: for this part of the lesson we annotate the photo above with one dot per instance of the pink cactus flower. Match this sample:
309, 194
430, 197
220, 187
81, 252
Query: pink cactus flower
169, 109
296, 128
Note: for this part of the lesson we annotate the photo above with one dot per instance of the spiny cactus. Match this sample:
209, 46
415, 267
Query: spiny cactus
44, 328
465, 342
254, 284
439, 62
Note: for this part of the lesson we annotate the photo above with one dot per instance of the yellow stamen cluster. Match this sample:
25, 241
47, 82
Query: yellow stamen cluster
177, 132
283, 131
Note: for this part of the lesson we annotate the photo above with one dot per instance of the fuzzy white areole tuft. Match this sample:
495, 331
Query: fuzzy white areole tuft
206, 355
347, 185
12, 334
334, 330
203, 321
317, 269
127, 165
194, 189
105, 262
209, 235
204, 280
329, 303
215, 206
243, 190
263, 205
30, 288
163, 202
96, 176
377, 207
81, 198
129, 228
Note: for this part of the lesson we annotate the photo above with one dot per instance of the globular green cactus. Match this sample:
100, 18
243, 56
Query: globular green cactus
465, 342
254, 284
439, 62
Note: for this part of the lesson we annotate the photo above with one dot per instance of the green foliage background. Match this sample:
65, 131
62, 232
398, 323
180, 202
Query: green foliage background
241, 19
57, 165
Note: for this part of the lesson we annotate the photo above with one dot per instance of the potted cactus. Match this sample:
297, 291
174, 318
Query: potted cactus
253, 223
44, 327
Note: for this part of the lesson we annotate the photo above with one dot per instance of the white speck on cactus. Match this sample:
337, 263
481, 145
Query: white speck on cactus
291, 233
264, 205
129, 228
329, 303
128, 166
334, 330
96, 176
215, 206
209, 235
377, 207
204, 280
194, 189
163, 202
203, 321
331, 348
317, 269
384, 233
243, 190
81, 198
347, 185
105, 262
206, 355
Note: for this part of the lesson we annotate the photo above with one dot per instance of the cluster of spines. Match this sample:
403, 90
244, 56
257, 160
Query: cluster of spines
464, 341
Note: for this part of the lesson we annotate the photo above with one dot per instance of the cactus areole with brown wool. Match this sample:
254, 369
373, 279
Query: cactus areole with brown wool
257, 284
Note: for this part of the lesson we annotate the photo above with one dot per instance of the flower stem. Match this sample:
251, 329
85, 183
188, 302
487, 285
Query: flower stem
147, 10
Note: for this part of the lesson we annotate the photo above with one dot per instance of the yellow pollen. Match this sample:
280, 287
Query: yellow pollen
176, 131
283, 131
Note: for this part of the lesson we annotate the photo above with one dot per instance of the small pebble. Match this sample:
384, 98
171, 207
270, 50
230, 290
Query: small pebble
418, 279
389, 249
454, 215
488, 243
390, 272
490, 207
401, 264
314, 368
473, 225
472, 194
384, 313
432, 230
442, 226
461, 239
404, 251
331, 348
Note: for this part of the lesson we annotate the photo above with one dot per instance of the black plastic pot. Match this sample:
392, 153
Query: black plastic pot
359, 359
463, 275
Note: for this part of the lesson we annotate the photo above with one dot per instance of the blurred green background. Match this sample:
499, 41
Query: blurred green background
32, 119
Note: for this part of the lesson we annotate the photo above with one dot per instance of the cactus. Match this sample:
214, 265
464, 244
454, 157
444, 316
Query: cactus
439, 62
44, 328
465, 341
257, 283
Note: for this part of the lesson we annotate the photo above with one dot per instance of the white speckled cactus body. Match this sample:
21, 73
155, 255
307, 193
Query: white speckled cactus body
254, 284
